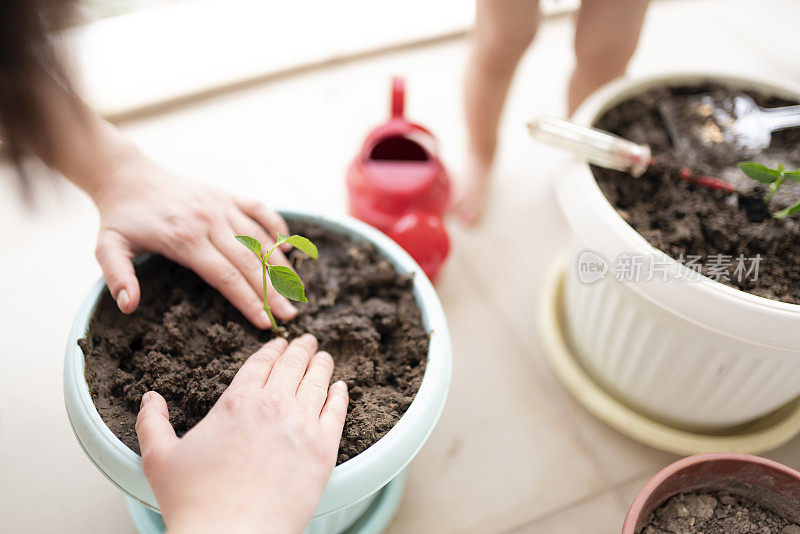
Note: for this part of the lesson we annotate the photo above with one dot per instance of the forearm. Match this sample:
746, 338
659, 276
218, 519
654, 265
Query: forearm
76, 141
90, 150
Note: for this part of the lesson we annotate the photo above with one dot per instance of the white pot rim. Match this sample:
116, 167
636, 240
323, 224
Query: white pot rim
708, 303
350, 482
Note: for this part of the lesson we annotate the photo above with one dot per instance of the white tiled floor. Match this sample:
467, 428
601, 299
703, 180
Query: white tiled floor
513, 451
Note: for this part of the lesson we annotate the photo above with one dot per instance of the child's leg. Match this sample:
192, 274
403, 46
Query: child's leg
503, 30
606, 35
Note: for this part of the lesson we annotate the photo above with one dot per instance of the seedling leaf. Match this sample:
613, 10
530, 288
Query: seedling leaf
286, 282
791, 210
775, 178
760, 172
301, 243
250, 243
794, 175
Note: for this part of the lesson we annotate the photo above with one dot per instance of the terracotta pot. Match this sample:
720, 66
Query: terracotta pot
769, 483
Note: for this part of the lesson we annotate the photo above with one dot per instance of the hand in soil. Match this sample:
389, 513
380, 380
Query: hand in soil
187, 342
262, 455
143, 208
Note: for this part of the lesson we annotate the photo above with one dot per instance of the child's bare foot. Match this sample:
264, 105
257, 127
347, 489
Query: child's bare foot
472, 195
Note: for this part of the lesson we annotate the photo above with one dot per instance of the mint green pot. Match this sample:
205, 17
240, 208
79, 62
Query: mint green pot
354, 484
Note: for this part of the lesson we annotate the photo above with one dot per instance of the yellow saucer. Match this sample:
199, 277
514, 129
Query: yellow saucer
766, 433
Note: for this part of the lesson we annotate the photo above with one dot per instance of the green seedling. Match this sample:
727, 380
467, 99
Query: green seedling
775, 179
284, 280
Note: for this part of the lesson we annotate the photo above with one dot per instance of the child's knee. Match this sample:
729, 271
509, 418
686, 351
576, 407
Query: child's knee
609, 53
504, 45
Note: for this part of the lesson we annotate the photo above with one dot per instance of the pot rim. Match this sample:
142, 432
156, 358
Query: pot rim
352, 481
758, 319
674, 469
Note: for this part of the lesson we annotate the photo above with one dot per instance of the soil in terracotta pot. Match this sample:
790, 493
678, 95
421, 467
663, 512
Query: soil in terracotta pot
186, 341
685, 220
716, 512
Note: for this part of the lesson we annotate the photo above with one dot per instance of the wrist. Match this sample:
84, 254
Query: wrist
110, 170
200, 524
230, 525
96, 157
231, 519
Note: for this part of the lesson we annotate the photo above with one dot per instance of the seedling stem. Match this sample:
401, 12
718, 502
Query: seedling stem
775, 179
284, 280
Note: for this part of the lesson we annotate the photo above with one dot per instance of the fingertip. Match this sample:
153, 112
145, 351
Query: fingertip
306, 343
308, 339
255, 313
153, 428
128, 298
334, 412
153, 399
151, 403
325, 356
134, 295
123, 300
279, 343
114, 255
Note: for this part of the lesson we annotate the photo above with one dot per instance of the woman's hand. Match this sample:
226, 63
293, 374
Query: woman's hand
145, 208
260, 459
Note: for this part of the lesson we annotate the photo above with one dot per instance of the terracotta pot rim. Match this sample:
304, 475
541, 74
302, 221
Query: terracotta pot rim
629, 527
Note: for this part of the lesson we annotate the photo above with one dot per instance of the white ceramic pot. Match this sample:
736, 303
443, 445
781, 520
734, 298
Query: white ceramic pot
353, 484
697, 354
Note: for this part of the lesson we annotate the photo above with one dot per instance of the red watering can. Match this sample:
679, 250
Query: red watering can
398, 184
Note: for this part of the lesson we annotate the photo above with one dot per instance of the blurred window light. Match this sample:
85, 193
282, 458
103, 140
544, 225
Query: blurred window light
100, 9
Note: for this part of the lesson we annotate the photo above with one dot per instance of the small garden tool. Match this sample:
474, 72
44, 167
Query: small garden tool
738, 122
608, 151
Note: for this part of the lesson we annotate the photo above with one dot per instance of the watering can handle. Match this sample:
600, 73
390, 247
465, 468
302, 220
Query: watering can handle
398, 126
398, 109
398, 97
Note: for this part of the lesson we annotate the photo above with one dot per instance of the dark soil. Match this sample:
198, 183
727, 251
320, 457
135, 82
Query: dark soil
186, 341
715, 512
684, 220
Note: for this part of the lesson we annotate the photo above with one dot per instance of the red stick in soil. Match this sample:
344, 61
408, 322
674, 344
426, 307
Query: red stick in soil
706, 181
